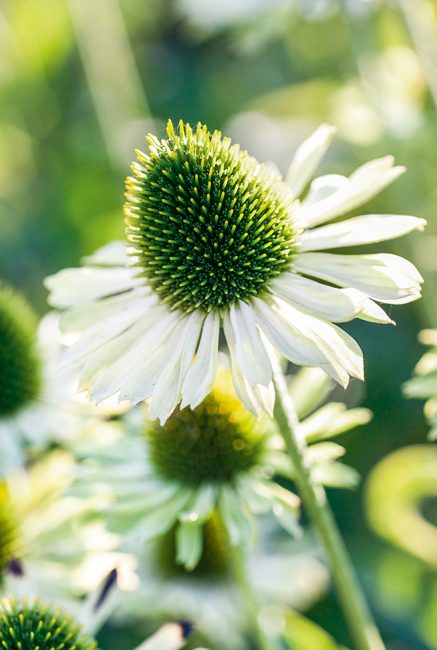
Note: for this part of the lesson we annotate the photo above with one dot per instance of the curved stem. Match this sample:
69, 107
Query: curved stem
357, 614
250, 599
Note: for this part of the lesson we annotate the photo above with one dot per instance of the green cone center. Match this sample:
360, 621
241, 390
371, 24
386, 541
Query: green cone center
213, 443
208, 223
20, 372
25, 626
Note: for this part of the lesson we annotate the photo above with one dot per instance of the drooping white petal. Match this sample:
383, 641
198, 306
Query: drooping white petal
373, 313
167, 392
234, 519
361, 186
189, 544
201, 506
330, 303
285, 337
307, 158
106, 368
383, 277
341, 350
152, 357
71, 287
256, 399
251, 354
366, 229
200, 377
309, 341
162, 518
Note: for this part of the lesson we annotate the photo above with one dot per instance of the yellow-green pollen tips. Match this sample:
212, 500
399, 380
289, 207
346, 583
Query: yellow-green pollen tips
37, 626
9, 536
214, 443
20, 371
215, 561
208, 223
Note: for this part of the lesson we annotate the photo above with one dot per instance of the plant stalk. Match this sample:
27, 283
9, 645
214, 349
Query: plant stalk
250, 599
352, 600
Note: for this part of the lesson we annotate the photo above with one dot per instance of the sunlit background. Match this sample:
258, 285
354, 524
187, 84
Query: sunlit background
81, 82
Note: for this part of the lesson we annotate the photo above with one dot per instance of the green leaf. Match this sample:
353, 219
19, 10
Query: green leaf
303, 634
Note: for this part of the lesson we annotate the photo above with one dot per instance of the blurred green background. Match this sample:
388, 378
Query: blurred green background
81, 82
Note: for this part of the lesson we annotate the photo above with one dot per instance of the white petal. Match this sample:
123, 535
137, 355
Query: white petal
256, 399
201, 506
362, 185
167, 392
77, 319
112, 254
140, 382
367, 229
201, 375
189, 544
251, 354
330, 303
307, 158
233, 516
374, 313
169, 637
285, 336
383, 277
70, 287
123, 365
341, 350
309, 341
323, 187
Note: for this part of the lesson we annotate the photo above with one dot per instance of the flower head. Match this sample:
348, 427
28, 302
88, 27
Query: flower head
214, 463
26, 624
218, 240
20, 370
37, 402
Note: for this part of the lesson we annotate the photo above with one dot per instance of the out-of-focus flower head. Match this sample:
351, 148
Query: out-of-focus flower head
38, 406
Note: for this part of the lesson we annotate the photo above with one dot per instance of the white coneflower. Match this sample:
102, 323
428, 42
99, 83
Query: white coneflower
216, 459
217, 239
52, 544
37, 402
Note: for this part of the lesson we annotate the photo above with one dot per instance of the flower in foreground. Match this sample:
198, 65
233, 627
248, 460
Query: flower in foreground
32, 623
37, 404
215, 460
424, 384
217, 239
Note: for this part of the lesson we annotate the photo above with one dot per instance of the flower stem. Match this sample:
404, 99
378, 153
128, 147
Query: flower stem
357, 614
250, 599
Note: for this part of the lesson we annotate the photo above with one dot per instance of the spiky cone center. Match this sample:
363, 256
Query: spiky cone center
9, 531
20, 367
213, 443
215, 561
208, 223
38, 626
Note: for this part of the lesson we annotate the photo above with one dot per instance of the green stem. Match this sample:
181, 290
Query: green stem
250, 599
361, 625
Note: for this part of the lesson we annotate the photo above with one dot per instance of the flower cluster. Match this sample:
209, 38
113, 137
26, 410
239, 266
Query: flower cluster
227, 270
